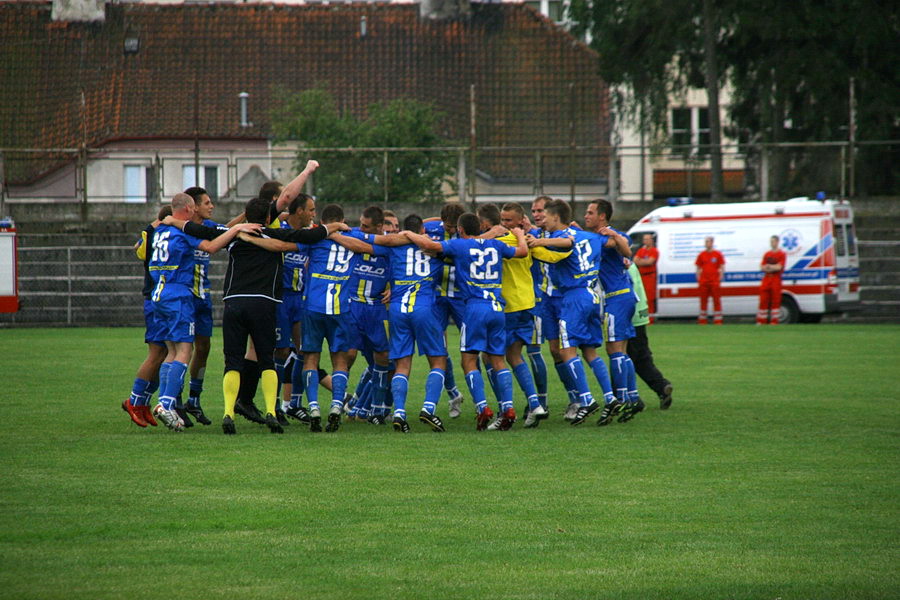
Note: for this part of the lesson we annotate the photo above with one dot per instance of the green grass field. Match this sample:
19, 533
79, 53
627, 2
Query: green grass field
774, 475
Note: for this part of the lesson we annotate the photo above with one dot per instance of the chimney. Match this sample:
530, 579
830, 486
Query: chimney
444, 9
78, 10
244, 122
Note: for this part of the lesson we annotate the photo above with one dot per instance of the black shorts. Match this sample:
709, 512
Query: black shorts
253, 317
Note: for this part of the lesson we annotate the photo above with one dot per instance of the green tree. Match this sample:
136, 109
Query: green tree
312, 117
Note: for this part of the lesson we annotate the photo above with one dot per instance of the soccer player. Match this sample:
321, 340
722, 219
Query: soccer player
369, 277
577, 313
518, 294
480, 273
772, 266
391, 222
646, 258
172, 267
449, 305
543, 289
639, 346
137, 405
619, 301
203, 315
710, 270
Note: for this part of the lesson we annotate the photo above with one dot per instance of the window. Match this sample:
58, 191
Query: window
681, 130
690, 131
851, 240
208, 179
839, 242
139, 183
555, 10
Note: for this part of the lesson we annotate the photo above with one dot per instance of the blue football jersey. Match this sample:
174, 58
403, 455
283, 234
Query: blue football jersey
295, 265
447, 283
172, 262
479, 268
413, 276
327, 291
369, 274
540, 272
613, 272
200, 286
579, 269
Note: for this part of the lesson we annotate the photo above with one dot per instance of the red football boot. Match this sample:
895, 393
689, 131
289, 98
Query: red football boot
148, 415
483, 418
134, 412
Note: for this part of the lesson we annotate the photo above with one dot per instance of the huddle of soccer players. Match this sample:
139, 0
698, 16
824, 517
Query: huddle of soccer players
508, 285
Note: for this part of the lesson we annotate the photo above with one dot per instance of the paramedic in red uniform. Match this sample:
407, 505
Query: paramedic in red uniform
710, 269
772, 266
646, 259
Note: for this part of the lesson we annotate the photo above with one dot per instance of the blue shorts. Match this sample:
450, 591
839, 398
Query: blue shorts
446, 308
538, 323
367, 327
332, 328
152, 330
579, 320
175, 316
519, 326
483, 329
290, 311
203, 316
552, 306
619, 310
418, 328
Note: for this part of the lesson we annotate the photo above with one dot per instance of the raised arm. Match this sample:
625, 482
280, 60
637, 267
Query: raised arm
424, 242
392, 239
563, 243
293, 189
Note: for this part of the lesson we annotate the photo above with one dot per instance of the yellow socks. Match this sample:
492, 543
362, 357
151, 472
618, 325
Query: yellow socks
231, 385
268, 379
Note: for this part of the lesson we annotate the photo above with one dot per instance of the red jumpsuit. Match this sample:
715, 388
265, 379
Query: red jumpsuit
770, 290
709, 262
648, 278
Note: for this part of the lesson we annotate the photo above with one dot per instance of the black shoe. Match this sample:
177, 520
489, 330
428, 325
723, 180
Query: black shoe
315, 423
282, 420
334, 421
197, 413
584, 412
298, 413
609, 412
432, 421
228, 426
400, 425
182, 413
249, 412
377, 419
665, 399
273, 424
630, 410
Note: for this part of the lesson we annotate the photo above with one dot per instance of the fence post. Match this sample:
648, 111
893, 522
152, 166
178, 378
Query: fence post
538, 189
612, 186
385, 167
69, 284
764, 173
461, 175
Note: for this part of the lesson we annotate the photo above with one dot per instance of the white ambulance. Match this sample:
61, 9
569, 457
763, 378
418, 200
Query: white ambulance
822, 271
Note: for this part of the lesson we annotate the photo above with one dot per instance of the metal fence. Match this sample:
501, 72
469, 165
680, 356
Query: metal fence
768, 171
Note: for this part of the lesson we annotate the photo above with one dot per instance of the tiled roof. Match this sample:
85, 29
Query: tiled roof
521, 64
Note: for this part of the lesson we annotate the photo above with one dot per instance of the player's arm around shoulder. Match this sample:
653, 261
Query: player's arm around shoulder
352, 243
267, 243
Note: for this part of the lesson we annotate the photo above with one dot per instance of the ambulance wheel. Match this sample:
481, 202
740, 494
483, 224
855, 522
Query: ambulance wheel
789, 313
810, 317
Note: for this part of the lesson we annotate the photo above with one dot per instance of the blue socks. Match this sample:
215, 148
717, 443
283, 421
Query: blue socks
380, 390
311, 383
576, 371
338, 388
433, 386
503, 389
297, 382
476, 388
399, 389
526, 382
620, 363
566, 380
196, 388
171, 381
137, 392
539, 368
599, 368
